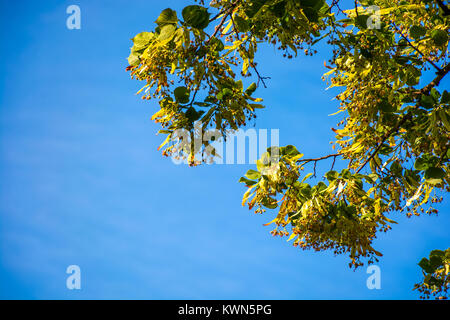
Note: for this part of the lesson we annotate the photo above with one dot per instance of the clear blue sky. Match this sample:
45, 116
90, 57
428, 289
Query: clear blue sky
82, 182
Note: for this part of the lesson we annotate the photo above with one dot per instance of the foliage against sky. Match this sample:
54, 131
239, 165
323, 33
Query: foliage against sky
393, 131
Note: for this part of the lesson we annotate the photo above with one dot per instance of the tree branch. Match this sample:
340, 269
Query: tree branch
435, 82
315, 160
321, 158
252, 64
441, 74
415, 48
225, 16
384, 138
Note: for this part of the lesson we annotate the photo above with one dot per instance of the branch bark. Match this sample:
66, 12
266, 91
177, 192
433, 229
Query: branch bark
415, 48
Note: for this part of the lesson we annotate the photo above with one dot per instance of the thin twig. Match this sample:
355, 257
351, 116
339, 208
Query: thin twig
252, 64
225, 16
332, 165
415, 48
384, 138
320, 158
260, 78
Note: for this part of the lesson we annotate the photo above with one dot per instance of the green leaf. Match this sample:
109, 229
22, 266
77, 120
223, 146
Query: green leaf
425, 265
396, 168
167, 32
239, 85
401, 60
305, 190
192, 114
321, 186
253, 8
264, 161
371, 178
217, 44
433, 281
435, 94
311, 14
269, 203
366, 53
289, 150
133, 59
196, 16
278, 9
434, 175
417, 32
387, 107
306, 177
445, 97
251, 88
332, 175
361, 21
421, 164
253, 175
346, 174
247, 181
167, 16
181, 94
256, 106
141, 40
242, 25
226, 92
411, 75
436, 258
427, 101
385, 149
440, 37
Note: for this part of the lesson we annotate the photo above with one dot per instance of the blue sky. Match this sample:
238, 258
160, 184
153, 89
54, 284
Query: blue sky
82, 182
